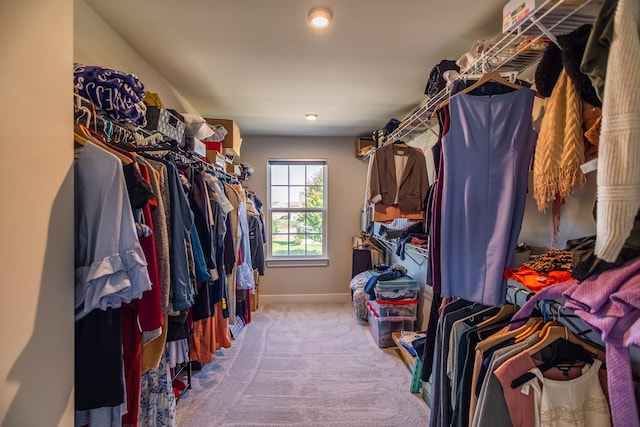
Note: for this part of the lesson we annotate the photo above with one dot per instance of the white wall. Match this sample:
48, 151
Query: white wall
36, 220
576, 218
96, 43
347, 176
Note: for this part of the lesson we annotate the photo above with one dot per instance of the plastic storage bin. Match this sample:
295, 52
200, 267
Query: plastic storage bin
395, 308
381, 327
402, 289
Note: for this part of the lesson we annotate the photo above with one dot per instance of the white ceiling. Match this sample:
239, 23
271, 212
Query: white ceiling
259, 62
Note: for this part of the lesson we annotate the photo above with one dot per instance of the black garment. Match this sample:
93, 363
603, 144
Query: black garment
201, 308
177, 328
229, 260
229, 250
436, 82
441, 387
585, 262
360, 261
568, 56
199, 207
486, 360
201, 216
242, 304
219, 230
98, 360
256, 245
139, 190
460, 416
426, 347
428, 208
258, 204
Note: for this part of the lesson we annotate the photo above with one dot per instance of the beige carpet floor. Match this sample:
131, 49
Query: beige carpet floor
303, 365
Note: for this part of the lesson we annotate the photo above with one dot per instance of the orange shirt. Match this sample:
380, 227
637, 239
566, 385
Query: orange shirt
535, 280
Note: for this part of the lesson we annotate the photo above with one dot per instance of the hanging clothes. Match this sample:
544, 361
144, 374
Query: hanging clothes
608, 302
182, 293
580, 401
398, 183
435, 225
441, 386
157, 402
257, 245
150, 305
110, 263
110, 271
161, 219
244, 269
486, 154
220, 208
478, 360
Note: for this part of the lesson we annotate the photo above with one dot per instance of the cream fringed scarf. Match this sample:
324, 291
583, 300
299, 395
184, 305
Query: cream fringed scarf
560, 149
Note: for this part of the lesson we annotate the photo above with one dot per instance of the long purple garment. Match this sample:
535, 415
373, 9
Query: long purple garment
486, 152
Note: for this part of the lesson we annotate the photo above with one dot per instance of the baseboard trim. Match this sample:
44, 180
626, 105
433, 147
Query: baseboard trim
304, 298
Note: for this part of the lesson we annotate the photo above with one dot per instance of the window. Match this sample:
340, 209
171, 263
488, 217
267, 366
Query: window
297, 212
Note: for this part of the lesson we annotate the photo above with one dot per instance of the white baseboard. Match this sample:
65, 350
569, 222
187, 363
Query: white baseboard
304, 298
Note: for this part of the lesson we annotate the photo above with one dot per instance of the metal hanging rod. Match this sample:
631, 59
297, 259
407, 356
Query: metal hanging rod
507, 54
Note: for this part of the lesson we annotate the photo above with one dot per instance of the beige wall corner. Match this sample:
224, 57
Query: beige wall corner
36, 220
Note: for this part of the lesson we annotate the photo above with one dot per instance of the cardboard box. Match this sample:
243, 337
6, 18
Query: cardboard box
517, 11
232, 142
217, 159
233, 169
255, 296
364, 146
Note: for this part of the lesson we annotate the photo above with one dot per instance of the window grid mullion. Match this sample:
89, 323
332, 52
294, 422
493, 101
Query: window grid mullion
302, 211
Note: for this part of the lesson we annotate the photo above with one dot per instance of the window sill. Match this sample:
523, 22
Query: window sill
297, 262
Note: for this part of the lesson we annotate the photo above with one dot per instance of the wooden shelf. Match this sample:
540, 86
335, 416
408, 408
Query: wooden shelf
407, 357
413, 363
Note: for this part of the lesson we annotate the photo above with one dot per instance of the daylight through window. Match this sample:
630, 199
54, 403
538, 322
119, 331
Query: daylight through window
297, 208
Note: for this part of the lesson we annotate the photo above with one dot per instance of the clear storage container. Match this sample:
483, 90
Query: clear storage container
402, 289
381, 327
395, 308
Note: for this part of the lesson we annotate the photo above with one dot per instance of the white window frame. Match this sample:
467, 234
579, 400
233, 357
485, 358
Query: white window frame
298, 260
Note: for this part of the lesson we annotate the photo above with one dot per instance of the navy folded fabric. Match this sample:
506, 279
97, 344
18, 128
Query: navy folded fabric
117, 94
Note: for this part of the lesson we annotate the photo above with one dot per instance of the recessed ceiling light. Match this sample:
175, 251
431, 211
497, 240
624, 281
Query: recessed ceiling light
311, 116
320, 17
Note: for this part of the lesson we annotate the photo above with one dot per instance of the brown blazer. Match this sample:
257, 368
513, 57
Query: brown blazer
414, 182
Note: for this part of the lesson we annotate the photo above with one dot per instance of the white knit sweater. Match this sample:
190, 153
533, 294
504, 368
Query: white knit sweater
619, 152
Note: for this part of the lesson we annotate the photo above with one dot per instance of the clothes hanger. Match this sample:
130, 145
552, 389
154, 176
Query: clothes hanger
492, 76
556, 332
503, 335
564, 353
506, 311
81, 134
535, 327
365, 244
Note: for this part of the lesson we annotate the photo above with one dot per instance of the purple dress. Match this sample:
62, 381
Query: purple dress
487, 153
